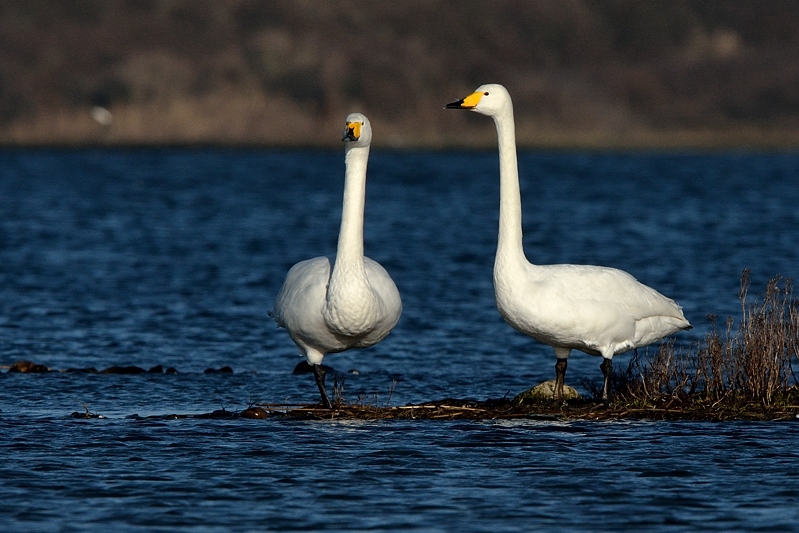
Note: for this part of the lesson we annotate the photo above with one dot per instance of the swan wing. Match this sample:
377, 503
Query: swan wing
651, 315
303, 291
390, 307
299, 304
592, 308
612, 288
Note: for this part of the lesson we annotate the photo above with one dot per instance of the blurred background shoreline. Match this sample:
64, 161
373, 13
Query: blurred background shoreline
583, 73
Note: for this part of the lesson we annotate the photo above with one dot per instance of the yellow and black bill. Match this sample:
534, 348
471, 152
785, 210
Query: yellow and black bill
352, 131
470, 102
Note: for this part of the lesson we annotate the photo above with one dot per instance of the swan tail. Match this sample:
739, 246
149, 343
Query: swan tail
652, 329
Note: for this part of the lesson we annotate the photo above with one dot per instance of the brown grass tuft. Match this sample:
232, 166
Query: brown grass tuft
752, 363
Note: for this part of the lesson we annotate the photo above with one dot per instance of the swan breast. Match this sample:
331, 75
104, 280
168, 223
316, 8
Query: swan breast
302, 307
387, 308
365, 306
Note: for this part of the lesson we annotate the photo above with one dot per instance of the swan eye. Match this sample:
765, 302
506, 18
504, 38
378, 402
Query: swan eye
486, 93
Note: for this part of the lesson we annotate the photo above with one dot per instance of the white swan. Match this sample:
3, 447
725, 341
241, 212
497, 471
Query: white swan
598, 310
354, 303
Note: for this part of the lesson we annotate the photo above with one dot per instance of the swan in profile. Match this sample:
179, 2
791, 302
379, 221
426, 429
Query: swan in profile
332, 304
597, 310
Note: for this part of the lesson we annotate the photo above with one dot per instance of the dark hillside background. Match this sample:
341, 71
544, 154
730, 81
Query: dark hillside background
582, 72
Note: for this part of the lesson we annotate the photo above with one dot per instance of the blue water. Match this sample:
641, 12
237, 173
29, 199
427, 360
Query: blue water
173, 257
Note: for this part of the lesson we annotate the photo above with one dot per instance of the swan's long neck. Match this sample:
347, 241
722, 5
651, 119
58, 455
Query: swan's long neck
509, 243
350, 305
350, 237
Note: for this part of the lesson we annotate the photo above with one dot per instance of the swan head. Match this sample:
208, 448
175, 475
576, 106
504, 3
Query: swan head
490, 99
357, 130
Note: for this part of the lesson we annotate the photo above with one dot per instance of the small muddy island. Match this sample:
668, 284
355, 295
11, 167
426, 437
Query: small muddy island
503, 409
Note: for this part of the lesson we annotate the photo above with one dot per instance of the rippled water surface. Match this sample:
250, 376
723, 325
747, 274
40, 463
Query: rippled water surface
173, 258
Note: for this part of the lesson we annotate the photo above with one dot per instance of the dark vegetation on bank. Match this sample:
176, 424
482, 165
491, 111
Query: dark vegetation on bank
741, 372
286, 72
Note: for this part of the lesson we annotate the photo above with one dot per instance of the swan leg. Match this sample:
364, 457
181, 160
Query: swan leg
319, 377
607, 370
562, 354
560, 377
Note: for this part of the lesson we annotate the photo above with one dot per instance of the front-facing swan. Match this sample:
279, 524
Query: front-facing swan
598, 310
332, 304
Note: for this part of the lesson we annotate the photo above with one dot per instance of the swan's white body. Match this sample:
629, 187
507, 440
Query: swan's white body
598, 310
322, 319
332, 304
